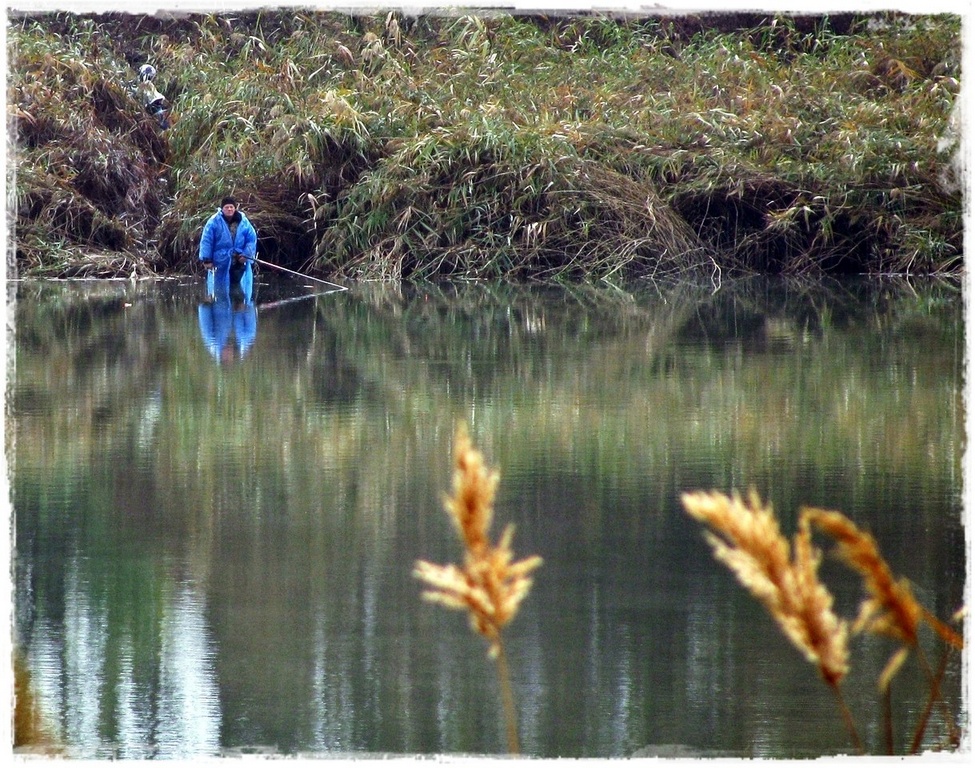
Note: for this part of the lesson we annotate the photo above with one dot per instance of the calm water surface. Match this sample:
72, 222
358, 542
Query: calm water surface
214, 543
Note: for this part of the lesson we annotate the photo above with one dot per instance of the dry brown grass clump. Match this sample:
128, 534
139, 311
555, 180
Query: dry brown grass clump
746, 538
488, 585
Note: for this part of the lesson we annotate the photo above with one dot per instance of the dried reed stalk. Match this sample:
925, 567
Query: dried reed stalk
489, 586
747, 539
750, 544
890, 610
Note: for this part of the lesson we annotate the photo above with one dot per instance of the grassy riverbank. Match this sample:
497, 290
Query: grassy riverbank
494, 145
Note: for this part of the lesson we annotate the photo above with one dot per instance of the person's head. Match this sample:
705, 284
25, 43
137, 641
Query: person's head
229, 206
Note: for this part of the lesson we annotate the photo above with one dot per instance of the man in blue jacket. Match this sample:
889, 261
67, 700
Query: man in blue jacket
228, 246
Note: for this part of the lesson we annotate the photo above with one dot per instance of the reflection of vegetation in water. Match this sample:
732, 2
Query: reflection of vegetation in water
494, 346
102, 371
30, 730
323, 437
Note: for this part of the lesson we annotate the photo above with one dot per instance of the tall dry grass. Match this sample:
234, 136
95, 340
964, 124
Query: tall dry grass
490, 145
489, 584
745, 536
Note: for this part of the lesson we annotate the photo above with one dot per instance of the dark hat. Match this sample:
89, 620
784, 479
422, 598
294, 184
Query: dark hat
228, 200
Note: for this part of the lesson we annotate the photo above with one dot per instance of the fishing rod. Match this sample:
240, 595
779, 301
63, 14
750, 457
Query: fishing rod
299, 274
280, 302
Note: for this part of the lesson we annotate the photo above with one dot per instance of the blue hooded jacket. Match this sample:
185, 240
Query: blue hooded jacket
217, 245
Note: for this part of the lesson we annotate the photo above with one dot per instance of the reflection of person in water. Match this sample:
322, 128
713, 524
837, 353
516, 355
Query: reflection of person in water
228, 322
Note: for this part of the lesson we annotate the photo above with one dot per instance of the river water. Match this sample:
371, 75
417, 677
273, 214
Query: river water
214, 541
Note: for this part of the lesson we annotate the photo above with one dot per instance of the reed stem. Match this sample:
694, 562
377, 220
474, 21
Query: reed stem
888, 719
848, 719
508, 700
934, 696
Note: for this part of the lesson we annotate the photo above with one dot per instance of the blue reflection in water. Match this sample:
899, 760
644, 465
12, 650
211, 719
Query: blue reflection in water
228, 322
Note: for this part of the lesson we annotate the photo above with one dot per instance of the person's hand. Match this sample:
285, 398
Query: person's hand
241, 258
208, 265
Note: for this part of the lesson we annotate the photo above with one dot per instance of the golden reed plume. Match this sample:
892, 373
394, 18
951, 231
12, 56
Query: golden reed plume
747, 539
891, 608
488, 585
